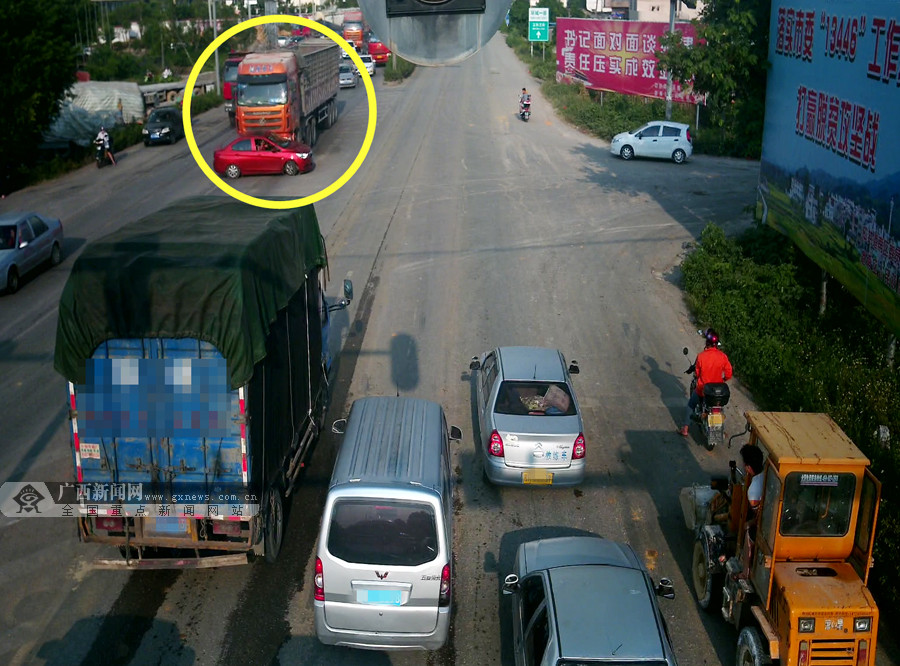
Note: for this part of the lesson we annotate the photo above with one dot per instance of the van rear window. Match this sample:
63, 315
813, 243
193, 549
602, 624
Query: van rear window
383, 532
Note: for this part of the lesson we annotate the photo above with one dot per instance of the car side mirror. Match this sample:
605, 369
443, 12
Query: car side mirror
573, 368
455, 433
339, 426
348, 290
511, 584
665, 588
23, 244
475, 364
639, 135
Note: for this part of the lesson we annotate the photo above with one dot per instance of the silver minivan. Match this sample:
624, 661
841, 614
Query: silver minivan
383, 567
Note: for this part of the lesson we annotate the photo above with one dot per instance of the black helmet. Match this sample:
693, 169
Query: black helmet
712, 338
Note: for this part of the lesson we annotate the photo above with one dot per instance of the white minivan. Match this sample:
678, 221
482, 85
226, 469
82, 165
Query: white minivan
384, 559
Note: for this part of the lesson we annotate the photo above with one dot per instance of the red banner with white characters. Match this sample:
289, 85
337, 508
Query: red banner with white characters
617, 56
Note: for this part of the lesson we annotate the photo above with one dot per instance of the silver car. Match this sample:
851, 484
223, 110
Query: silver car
530, 428
27, 241
346, 77
586, 599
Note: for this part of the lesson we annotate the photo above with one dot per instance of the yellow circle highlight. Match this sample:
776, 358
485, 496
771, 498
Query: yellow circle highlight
214, 177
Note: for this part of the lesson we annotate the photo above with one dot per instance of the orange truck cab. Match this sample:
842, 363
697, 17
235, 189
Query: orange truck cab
792, 575
354, 28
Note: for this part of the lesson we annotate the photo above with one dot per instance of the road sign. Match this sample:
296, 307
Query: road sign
539, 24
538, 31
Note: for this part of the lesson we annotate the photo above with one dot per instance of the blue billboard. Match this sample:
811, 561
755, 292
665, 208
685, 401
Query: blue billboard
830, 172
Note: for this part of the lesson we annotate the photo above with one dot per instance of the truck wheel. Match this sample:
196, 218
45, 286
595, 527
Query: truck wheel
274, 523
707, 585
327, 123
314, 133
334, 113
750, 649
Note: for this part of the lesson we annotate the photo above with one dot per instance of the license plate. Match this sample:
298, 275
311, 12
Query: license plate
716, 419
172, 525
380, 597
537, 477
154, 135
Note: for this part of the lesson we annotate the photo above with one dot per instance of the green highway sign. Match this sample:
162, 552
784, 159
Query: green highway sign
538, 24
538, 31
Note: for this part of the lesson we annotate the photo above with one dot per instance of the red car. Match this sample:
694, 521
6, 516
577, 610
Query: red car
378, 50
263, 154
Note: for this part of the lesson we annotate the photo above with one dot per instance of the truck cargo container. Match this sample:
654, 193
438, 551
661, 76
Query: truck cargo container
192, 345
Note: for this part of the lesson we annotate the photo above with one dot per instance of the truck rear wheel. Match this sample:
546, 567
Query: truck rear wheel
750, 649
274, 530
707, 585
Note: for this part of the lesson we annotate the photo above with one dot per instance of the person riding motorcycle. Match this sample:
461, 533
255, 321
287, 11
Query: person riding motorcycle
524, 98
104, 141
712, 365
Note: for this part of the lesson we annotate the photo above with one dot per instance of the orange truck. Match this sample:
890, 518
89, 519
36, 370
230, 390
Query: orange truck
290, 94
792, 574
354, 28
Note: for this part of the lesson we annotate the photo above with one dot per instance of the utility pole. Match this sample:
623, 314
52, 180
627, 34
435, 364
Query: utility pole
669, 73
212, 19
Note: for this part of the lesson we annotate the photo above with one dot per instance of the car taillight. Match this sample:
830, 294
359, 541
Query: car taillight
496, 445
444, 599
689, 140
319, 581
862, 654
803, 656
578, 449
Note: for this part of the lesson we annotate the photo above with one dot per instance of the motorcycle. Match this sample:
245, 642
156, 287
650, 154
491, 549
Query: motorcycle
101, 155
710, 409
525, 108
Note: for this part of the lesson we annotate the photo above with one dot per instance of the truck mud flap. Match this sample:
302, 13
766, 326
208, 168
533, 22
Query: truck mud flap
173, 562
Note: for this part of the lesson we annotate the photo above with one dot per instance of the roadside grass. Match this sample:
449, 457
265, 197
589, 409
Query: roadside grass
398, 69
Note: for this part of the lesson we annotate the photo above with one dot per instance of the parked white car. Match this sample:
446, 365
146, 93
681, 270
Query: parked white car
659, 138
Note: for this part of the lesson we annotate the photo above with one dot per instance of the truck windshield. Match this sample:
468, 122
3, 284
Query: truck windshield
817, 504
231, 72
261, 94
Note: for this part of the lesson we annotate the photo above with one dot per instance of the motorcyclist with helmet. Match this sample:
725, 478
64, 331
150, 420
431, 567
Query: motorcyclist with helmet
104, 141
712, 365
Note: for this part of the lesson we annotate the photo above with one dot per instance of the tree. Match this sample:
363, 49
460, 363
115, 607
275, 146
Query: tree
728, 62
37, 45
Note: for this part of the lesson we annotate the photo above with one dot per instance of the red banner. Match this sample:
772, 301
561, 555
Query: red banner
617, 56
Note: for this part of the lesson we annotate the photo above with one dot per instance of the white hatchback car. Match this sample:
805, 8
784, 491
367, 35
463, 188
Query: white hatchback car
658, 138
368, 62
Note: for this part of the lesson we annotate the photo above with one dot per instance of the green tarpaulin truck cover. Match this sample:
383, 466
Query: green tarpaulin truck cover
207, 267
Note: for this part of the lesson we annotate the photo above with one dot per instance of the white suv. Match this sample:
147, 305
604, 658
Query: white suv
658, 138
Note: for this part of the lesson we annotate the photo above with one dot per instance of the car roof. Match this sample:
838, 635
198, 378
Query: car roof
666, 122
531, 363
605, 612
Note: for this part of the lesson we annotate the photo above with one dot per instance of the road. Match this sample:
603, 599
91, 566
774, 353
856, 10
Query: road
465, 229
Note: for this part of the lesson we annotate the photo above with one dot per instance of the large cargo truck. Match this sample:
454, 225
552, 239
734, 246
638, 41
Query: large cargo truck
192, 345
229, 82
289, 93
354, 28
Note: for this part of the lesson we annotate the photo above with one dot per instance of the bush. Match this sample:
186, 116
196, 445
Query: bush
398, 69
205, 102
762, 295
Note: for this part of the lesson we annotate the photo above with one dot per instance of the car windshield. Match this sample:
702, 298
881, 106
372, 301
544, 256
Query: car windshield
345, 69
7, 237
817, 504
534, 398
376, 531
160, 117
261, 94
231, 72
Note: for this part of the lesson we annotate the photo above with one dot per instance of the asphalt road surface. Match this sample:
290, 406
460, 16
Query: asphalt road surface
464, 229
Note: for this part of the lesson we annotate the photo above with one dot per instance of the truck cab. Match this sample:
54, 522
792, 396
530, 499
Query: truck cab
792, 575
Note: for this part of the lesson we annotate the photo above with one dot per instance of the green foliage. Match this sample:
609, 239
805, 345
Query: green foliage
398, 69
114, 64
762, 295
36, 47
205, 102
728, 62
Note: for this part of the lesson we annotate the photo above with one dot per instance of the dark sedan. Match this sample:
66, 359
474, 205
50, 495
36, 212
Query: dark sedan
27, 241
163, 126
248, 155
